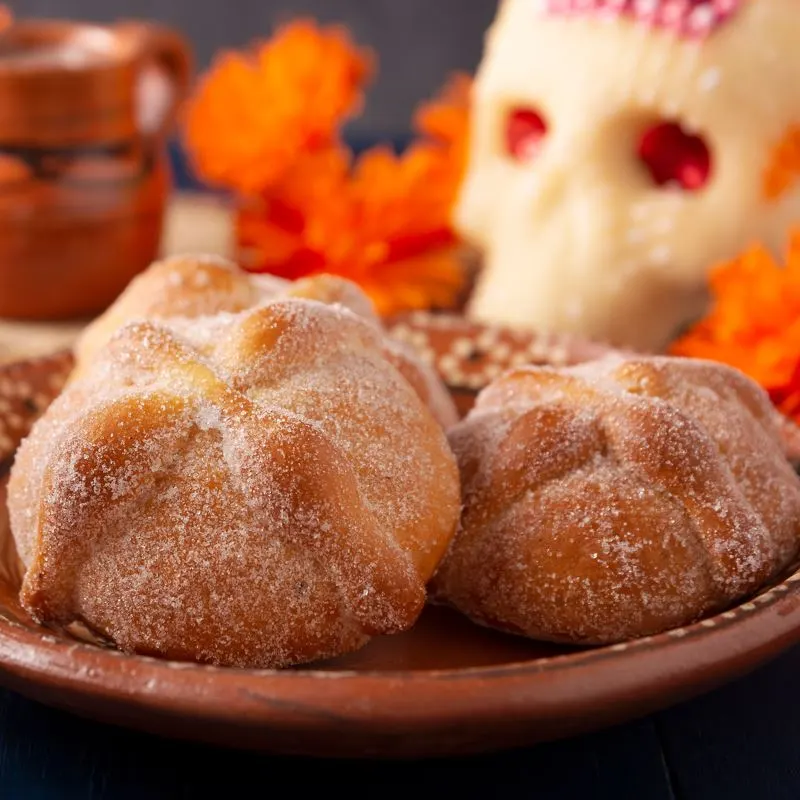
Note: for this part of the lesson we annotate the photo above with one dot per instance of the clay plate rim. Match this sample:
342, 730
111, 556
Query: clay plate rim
403, 713
433, 712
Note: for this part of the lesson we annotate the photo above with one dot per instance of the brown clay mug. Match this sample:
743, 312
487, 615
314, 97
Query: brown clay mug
84, 176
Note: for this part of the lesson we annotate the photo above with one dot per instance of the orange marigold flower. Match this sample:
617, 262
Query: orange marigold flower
271, 230
268, 126
253, 114
382, 221
373, 225
754, 322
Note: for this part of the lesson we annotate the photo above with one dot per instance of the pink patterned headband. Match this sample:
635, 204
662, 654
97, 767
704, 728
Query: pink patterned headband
684, 18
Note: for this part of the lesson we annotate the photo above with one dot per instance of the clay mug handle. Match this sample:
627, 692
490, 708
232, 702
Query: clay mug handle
165, 65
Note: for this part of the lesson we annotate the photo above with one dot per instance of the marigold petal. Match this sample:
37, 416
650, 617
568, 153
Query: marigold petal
266, 124
754, 322
254, 114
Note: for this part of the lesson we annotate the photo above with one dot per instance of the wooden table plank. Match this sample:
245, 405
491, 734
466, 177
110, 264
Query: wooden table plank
49, 754
741, 741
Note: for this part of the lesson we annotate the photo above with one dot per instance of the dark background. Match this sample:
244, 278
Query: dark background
419, 42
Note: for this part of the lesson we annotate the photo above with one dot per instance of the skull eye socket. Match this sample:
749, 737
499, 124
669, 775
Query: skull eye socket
525, 131
674, 157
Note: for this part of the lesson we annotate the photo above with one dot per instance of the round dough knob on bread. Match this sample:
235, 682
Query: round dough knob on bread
192, 287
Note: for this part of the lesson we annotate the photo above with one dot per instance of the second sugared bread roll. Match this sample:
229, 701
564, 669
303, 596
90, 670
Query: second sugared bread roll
257, 489
618, 499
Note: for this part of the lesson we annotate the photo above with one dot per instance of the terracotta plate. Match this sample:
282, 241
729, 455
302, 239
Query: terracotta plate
447, 687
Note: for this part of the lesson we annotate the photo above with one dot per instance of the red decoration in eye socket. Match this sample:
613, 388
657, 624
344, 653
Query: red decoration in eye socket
525, 129
674, 156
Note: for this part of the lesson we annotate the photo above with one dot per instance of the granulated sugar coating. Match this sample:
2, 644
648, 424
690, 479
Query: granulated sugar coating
254, 489
190, 287
617, 499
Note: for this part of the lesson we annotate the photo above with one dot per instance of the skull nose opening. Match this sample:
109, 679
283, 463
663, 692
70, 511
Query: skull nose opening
525, 131
675, 157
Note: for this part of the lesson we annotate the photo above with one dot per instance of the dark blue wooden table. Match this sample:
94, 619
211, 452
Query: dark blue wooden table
742, 741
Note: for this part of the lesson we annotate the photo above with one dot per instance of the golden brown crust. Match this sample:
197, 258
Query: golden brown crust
190, 287
256, 489
187, 286
618, 499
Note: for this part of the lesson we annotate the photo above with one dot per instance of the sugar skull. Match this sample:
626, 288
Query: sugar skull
620, 148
